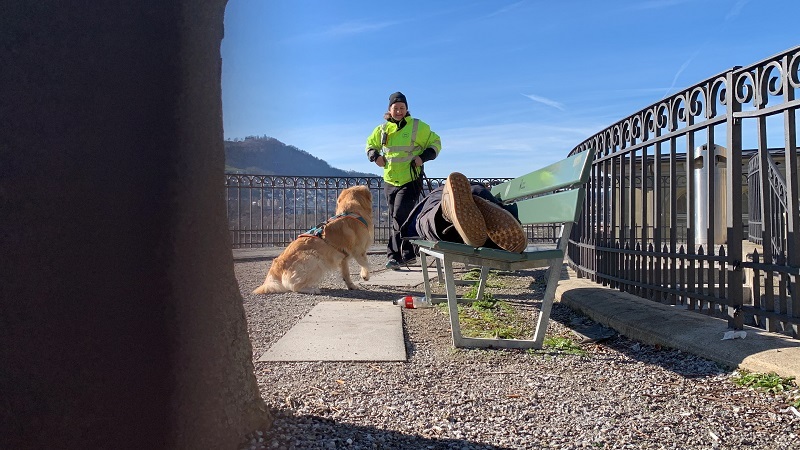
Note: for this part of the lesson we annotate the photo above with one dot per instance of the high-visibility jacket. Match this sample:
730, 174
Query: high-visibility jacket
399, 147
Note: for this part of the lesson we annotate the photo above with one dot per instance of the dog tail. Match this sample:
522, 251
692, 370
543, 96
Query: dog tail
270, 285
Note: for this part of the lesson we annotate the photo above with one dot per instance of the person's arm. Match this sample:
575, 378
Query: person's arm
373, 145
432, 144
428, 154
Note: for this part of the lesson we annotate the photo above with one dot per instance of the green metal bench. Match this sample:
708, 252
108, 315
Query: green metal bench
551, 195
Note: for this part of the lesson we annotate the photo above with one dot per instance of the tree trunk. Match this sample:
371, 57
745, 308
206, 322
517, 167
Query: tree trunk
122, 324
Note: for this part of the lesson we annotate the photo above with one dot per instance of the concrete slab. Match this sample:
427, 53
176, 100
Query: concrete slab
344, 331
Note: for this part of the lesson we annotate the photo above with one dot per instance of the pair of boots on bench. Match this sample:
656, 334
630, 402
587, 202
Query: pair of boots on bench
468, 213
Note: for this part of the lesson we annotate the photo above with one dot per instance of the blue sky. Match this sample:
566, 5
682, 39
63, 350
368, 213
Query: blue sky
508, 85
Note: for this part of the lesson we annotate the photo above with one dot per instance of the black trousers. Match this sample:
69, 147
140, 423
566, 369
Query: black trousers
401, 200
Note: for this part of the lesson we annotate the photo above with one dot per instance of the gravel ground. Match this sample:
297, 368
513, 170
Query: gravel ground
621, 394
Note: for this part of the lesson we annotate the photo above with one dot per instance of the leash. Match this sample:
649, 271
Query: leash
423, 180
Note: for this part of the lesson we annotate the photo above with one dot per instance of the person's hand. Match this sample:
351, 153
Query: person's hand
417, 161
380, 161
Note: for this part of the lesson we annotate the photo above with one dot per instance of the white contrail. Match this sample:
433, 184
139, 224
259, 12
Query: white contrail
545, 101
737, 8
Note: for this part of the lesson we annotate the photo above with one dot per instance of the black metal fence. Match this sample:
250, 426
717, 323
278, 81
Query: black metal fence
267, 211
271, 211
668, 217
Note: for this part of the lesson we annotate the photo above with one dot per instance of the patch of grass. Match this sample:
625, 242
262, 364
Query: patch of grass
488, 317
491, 279
497, 321
563, 345
472, 275
486, 304
472, 292
767, 382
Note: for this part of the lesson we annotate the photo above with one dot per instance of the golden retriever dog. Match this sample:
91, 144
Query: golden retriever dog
303, 264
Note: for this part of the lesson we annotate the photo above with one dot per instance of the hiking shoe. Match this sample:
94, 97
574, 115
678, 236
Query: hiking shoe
459, 209
501, 226
393, 264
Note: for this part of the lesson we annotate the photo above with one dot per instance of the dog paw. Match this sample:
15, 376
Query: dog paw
365, 275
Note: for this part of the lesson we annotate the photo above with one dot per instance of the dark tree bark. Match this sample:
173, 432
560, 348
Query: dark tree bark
121, 323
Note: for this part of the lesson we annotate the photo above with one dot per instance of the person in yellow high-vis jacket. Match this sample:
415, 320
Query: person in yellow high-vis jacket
401, 145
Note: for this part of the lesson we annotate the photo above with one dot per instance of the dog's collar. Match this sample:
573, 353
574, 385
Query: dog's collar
354, 216
320, 228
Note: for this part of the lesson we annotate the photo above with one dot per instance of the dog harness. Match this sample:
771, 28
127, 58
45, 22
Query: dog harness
319, 230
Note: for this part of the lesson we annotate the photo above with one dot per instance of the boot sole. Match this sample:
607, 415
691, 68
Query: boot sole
461, 210
501, 226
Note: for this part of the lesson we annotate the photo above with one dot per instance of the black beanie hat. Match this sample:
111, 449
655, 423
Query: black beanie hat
397, 97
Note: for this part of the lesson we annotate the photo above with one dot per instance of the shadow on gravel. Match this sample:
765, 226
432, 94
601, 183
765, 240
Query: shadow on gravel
411, 347
366, 294
590, 332
254, 258
312, 432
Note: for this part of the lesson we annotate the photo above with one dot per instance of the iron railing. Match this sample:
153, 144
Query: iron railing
270, 211
776, 199
265, 210
672, 160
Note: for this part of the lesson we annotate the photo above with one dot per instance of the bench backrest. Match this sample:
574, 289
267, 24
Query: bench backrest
558, 189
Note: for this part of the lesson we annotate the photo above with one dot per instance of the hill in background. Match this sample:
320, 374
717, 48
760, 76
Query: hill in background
262, 155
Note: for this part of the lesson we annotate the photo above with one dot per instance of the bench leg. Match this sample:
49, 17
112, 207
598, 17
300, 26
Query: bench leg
482, 282
452, 300
439, 270
423, 259
553, 275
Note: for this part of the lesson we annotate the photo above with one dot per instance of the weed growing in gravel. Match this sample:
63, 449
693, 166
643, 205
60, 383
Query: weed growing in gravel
488, 317
491, 279
472, 292
473, 274
769, 382
563, 345
495, 322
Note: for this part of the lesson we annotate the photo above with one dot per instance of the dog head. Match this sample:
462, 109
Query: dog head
356, 199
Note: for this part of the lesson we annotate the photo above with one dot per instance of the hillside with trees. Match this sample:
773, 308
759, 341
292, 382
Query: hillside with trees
263, 155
